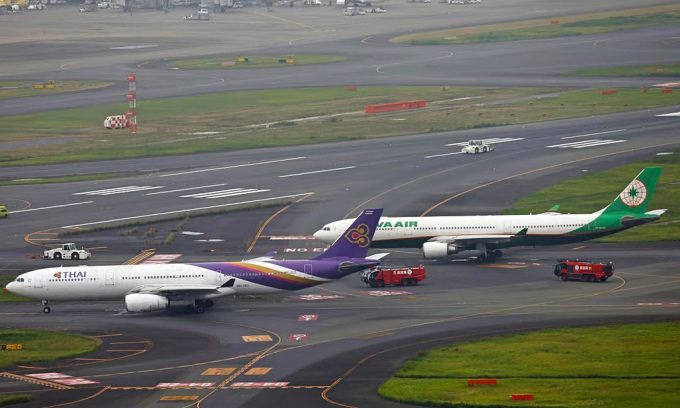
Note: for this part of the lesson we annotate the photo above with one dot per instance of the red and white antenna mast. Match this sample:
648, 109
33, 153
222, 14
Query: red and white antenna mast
132, 99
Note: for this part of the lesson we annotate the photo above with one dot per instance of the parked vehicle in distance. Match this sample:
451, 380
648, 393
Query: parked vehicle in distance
67, 251
402, 276
378, 10
586, 271
476, 146
4, 212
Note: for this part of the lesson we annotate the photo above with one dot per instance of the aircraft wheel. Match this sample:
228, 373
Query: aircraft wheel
46, 309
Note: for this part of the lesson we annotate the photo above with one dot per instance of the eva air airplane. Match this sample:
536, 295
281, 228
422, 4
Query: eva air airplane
441, 236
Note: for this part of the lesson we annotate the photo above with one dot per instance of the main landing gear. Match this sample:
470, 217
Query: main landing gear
199, 306
489, 256
46, 309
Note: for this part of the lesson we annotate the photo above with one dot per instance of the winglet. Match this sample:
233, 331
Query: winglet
522, 232
356, 240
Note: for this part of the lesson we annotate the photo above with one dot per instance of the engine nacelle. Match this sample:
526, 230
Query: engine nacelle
145, 302
434, 250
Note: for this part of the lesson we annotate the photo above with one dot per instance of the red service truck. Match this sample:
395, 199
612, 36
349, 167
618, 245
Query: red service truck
585, 271
404, 276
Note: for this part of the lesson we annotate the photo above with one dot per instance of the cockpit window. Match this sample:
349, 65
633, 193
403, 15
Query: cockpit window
20, 279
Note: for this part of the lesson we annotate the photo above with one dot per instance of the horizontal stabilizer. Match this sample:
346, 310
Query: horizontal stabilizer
632, 221
378, 256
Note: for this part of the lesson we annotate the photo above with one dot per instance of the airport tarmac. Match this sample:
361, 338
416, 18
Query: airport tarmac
332, 345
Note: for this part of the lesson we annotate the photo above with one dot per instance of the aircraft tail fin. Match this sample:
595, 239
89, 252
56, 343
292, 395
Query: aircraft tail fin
356, 240
636, 196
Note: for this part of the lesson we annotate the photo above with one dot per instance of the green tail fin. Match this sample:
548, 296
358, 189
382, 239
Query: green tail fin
636, 196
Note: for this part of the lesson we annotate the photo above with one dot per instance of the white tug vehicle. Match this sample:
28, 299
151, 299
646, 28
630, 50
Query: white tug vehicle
476, 146
67, 251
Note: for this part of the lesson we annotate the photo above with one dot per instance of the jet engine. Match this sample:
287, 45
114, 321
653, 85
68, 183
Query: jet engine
433, 250
145, 302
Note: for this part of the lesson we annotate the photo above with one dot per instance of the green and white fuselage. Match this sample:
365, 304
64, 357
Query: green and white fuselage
441, 236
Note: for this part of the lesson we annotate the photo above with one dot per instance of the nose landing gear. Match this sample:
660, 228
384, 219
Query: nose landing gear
46, 309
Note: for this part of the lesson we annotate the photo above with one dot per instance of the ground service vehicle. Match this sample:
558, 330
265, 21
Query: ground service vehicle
405, 276
585, 271
3, 211
477, 146
67, 251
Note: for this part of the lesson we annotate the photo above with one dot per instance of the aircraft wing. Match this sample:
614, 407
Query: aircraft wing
181, 288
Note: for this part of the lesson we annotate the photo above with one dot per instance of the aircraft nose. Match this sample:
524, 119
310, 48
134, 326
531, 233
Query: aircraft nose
8, 288
317, 235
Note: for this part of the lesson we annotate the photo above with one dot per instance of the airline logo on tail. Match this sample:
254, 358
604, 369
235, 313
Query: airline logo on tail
359, 235
635, 194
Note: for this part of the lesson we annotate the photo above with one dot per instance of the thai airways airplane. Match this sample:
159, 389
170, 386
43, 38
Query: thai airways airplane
153, 287
442, 236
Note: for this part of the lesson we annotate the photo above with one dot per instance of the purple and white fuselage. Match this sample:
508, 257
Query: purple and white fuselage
153, 287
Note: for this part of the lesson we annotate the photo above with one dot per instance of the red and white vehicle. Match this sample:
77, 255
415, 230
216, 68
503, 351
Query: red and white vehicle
403, 276
585, 271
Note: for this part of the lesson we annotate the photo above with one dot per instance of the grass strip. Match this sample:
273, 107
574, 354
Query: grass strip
22, 89
255, 61
655, 70
42, 345
603, 187
625, 366
582, 24
14, 399
237, 120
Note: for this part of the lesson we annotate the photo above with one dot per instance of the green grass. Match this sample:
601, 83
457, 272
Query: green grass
656, 70
66, 179
625, 366
545, 28
254, 61
14, 399
10, 297
225, 121
41, 345
21, 89
603, 187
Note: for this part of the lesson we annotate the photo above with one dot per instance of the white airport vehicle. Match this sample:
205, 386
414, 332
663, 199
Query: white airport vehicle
441, 236
67, 251
477, 146
378, 10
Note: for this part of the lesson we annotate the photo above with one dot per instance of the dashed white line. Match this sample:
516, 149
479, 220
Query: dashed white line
54, 206
231, 167
187, 210
187, 189
318, 171
594, 134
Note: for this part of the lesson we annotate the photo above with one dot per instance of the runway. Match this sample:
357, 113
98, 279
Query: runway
335, 344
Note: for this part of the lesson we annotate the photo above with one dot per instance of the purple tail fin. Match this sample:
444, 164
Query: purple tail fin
354, 242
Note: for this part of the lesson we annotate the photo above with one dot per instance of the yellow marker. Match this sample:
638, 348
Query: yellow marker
219, 371
264, 337
180, 398
258, 371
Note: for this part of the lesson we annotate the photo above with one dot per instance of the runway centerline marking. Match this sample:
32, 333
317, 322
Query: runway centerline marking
594, 134
186, 210
186, 189
53, 206
443, 154
231, 167
317, 171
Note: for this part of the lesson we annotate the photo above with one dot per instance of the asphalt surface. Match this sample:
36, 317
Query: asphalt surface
359, 336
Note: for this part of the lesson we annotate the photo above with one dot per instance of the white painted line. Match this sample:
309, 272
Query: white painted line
594, 134
188, 209
669, 114
440, 155
225, 193
490, 141
232, 167
187, 189
604, 142
318, 171
54, 206
118, 190
586, 143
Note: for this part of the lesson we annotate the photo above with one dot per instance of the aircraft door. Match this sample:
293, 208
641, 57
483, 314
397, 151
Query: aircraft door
38, 282
110, 278
507, 227
308, 269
